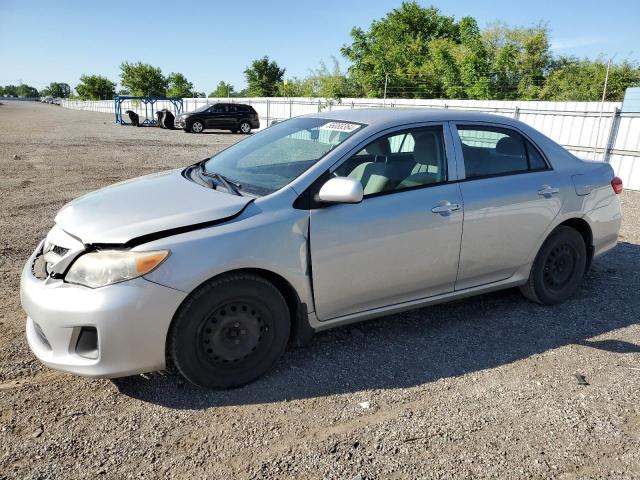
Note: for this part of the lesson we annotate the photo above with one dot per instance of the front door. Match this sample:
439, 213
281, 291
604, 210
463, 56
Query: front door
218, 116
402, 242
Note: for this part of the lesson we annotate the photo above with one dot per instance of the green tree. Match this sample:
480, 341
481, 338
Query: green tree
296, 87
142, 79
179, 86
398, 46
263, 77
95, 87
520, 59
24, 90
10, 91
583, 80
474, 62
329, 82
223, 90
421, 53
58, 90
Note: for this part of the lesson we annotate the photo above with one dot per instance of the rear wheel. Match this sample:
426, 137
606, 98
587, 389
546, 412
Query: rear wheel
197, 126
245, 127
230, 332
558, 268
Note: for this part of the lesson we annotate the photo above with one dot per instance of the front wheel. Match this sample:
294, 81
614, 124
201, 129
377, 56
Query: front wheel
245, 127
197, 126
558, 269
230, 331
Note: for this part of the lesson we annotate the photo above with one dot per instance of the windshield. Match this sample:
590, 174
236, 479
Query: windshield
269, 160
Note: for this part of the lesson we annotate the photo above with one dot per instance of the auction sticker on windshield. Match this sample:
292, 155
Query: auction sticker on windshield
340, 126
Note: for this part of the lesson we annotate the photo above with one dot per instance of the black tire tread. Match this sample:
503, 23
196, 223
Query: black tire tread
529, 288
207, 289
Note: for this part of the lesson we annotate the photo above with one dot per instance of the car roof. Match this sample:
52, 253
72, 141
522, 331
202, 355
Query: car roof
383, 117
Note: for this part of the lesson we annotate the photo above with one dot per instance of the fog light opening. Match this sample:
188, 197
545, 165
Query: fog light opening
41, 335
87, 344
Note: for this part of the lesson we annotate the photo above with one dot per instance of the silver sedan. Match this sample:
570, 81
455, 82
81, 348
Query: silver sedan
313, 223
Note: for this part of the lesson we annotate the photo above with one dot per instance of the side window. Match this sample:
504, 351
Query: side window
536, 162
402, 143
411, 158
491, 151
233, 109
219, 108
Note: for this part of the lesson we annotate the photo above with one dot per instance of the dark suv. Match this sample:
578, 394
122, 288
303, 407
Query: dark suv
236, 117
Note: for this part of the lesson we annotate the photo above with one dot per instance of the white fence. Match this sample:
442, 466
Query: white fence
580, 127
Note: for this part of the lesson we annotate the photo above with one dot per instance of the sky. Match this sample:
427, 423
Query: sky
46, 41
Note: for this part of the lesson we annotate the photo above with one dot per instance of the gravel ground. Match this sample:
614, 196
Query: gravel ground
483, 387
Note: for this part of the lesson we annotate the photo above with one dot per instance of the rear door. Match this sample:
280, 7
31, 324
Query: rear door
402, 242
235, 112
511, 196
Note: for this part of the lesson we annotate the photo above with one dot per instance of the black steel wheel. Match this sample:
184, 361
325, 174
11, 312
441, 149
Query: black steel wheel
230, 331
558, 269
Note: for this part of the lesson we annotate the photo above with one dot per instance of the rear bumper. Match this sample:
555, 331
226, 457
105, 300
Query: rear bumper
131, 320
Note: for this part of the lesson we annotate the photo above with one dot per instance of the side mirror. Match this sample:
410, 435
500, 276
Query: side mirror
341, 190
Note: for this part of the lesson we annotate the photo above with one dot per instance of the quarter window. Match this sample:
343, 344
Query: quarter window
492, 151
411, 158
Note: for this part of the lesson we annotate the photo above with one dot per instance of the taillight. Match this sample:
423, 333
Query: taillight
616, 184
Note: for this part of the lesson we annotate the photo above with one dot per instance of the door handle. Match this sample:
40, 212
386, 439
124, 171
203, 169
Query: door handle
445, 208
548, 190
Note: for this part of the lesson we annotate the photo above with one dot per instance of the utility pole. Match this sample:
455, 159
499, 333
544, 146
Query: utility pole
386, 81
604, 94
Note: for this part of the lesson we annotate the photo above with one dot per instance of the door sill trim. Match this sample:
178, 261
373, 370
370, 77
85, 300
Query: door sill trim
518, 278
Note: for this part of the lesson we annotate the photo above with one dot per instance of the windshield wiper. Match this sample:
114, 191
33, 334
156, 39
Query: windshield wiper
230, 185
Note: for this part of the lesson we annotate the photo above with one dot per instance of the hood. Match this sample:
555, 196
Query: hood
145, 206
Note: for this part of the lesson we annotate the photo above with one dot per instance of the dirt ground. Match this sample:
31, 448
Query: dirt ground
483, 387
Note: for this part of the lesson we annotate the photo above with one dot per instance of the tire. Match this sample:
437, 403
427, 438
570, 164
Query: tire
245, 127
197, 126
230, 331
558, 269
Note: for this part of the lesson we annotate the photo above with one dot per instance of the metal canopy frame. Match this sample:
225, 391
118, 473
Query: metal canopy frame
149, 108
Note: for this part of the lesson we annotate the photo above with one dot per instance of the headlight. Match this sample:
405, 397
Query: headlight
97, 269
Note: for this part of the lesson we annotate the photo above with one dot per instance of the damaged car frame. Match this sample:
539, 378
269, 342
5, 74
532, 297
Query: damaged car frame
316, 222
